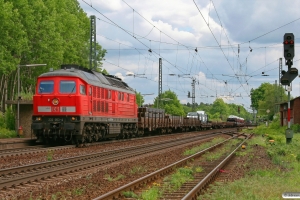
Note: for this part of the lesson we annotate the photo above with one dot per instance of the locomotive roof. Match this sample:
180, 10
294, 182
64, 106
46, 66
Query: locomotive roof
91, 77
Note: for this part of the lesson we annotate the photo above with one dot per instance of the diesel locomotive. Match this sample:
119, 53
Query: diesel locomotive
79, 105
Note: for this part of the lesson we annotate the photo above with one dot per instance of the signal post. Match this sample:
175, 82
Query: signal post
288, 76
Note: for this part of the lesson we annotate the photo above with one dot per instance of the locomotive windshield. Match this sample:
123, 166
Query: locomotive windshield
46, 87
67, 87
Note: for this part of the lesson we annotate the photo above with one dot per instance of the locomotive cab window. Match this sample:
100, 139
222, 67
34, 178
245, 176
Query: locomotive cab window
82, 89
46, 87
67, 87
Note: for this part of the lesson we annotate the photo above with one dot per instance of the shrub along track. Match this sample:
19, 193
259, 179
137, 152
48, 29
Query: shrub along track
49, 174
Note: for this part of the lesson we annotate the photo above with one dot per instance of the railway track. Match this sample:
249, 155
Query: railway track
190, 190
32, 150
13, 177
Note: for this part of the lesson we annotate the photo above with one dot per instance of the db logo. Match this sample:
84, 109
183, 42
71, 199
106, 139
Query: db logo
55, 109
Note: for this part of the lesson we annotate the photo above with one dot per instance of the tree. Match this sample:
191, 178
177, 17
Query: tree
264, 98
139, 99
51, 32
220, 107
168, 100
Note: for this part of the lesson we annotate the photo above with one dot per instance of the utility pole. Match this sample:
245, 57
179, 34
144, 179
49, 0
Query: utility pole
193, 95
93, 61
159, 82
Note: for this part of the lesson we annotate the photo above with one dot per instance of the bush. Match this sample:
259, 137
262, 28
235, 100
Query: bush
298, 157
10, 119
2, 120
7, 124
296, 128
5, 133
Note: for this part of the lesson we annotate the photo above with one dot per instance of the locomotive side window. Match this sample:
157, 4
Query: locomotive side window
82, 89
46, 87
67, 87
109, 94
128, 97
119, 95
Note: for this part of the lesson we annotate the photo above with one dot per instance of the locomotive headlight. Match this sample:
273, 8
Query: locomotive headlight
38, 119
73, 118
55, 102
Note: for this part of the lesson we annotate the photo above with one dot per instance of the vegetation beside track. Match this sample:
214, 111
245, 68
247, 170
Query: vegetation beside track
267, 183
7, 124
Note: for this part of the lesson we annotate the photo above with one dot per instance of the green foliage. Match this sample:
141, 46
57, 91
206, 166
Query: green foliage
181, 176
9, 119
168, 100
263, 98
78, 191
5, 133
295, 128
139, 99
47, 32
50, 155
26, 95
219, 110
138, 170
264, 183
130, 194
13, 39
110, 179
7, 124
298, 157
202, 146
151, 194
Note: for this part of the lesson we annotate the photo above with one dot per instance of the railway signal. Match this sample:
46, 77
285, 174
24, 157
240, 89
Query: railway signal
288, 48
289, 76
289, 53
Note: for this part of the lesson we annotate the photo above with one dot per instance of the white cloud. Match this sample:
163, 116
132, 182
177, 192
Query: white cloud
180, 28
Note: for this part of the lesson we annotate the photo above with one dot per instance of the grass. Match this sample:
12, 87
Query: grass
138, 170
183, 175
78, 191
211, 156
203, 146
130, 194
265, 184
110, 179
50, 155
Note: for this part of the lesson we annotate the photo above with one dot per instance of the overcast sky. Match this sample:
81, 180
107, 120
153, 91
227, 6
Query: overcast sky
223, 32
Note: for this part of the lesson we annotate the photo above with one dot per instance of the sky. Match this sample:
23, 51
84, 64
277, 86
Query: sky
224, 46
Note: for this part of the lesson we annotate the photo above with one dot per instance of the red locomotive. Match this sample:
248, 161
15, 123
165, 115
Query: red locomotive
80, 105
74, 104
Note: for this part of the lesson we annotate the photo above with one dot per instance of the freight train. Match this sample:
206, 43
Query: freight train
74, 104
